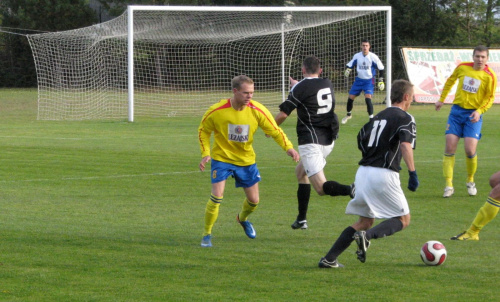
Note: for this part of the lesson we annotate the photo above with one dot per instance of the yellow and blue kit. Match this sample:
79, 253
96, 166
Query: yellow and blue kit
476, 88
234, 132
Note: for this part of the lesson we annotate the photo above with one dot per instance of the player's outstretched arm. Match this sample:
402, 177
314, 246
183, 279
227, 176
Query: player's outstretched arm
280, 117
293, 154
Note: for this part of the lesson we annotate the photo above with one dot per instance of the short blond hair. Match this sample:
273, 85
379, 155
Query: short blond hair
238, 80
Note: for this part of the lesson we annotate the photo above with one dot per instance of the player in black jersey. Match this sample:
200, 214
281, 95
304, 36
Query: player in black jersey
383, 141
317, 129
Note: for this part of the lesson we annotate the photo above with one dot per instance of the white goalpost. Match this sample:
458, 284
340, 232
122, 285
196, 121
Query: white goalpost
164, 61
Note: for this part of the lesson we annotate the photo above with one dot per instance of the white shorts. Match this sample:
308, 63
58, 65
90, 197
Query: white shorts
313, 157
378, 194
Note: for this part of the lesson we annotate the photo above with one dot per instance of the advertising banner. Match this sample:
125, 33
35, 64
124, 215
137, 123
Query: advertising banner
428, 69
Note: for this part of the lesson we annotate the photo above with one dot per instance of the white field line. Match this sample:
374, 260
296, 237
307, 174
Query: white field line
190, 172
89, 138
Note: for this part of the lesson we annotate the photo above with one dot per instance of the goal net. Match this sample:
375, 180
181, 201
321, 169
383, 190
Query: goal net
163, 61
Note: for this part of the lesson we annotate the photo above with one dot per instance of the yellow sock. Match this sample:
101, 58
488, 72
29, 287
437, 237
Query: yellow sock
448, 164
211, 213
471, 164
247, 209
486, 213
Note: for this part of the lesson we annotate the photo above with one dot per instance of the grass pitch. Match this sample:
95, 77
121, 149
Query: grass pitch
113, 211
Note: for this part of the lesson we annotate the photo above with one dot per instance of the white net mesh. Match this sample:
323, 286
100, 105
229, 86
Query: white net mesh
184, 60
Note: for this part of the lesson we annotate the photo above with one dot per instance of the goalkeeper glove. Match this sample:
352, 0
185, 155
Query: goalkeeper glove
381, 84
413, 181
347, 72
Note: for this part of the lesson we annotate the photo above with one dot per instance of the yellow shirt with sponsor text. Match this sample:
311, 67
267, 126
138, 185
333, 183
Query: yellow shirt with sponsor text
234, 132
476, 88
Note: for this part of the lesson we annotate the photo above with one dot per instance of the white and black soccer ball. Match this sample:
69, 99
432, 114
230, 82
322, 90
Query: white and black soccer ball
433, 253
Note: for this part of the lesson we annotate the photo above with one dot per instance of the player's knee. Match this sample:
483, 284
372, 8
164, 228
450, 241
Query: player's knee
253, 202
363, 224
405, 220
318, 187
301, 177
495, 180
470, 154
367, 225
320, 192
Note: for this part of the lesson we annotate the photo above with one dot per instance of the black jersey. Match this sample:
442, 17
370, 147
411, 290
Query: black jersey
379, 140
314, 100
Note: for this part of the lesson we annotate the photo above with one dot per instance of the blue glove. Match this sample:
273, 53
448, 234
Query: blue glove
413, 181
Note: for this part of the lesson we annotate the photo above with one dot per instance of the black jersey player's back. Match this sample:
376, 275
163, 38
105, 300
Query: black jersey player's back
314, 100
379, 140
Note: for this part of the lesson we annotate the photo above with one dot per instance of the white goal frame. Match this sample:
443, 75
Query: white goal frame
130, 39
168, 61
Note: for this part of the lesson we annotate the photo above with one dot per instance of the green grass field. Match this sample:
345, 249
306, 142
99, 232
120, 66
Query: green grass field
113, 211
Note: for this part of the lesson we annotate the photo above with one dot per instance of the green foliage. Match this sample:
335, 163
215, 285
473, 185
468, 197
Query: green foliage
454, 23
117, 7
16, 61
444, 23
113, 211
47, 15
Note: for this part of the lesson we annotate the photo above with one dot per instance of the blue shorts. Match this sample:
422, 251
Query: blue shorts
459, 123
245, 176
362, 85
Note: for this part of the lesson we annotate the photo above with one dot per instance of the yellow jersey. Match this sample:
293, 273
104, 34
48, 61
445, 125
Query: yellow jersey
234, 132
476, 88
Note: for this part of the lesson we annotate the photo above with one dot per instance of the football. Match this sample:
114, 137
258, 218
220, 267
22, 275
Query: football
433, 253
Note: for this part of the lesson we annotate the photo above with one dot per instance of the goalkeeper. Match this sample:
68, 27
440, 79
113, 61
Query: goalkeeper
366, 64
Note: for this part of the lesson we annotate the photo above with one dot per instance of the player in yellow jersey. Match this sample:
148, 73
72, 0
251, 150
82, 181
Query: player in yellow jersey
475, 95
486, 213
234, 122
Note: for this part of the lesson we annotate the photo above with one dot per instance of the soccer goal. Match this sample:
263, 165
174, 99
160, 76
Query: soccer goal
164, 61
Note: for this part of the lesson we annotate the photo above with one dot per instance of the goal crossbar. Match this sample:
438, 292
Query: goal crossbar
133, 8
162, 61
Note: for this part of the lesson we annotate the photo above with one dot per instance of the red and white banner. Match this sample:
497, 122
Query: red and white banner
428, 69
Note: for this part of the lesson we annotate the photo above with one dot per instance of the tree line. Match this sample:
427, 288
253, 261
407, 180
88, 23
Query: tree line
436, 23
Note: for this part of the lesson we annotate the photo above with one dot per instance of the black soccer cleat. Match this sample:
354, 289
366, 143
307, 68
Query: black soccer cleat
353, 191
299, 225
363, 245
323, 263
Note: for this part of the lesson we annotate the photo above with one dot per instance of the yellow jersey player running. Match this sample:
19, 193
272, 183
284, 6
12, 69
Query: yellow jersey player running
475, 95
234, 122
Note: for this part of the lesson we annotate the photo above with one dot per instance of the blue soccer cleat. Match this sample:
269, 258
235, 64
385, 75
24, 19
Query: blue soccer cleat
206, 241
248, 227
